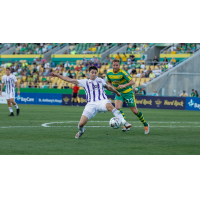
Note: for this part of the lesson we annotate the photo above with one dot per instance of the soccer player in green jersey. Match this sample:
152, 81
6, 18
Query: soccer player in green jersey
122, 82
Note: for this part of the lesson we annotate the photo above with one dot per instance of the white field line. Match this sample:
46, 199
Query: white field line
100, 126
47, 125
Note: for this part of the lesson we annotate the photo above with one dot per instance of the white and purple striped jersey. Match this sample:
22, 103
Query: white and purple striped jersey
9, 81
94, 89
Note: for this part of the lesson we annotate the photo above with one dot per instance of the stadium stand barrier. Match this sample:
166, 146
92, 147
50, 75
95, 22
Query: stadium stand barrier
184, 76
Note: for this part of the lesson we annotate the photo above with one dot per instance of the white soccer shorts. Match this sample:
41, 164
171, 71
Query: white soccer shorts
92, 108
10, 95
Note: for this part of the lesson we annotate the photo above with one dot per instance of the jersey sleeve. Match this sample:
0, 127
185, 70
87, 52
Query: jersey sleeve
82, 83
103, 82
15, 79
3, 79
127, 76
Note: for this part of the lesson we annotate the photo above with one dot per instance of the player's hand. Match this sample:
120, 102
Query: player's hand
18, 92
53, 74
121, 86
118, 94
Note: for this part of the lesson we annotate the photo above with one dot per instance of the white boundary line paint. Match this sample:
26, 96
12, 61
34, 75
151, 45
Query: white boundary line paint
46, 125
99, 126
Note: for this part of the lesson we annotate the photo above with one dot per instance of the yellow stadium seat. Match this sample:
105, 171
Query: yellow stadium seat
156, 67
147, 67
147, 79
134, 75
24, 78
40, 78
134, 79
138, 61
152, 67
137, 83
137, 70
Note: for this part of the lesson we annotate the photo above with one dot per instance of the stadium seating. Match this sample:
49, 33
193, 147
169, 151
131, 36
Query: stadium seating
33, 48
28, 79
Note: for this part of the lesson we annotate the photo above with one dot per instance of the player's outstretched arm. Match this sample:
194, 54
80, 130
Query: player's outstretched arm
112, 89
2, 86
70, 80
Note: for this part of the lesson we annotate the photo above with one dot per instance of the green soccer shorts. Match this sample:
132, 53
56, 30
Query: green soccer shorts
128, 97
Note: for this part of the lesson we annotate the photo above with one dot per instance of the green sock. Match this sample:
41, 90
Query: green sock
121, 111
141, 118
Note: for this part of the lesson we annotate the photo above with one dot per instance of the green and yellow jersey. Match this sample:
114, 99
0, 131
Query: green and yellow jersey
120, 78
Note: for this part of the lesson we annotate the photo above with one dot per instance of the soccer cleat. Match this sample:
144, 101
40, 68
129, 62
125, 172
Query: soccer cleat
127, 125
11, 114
125, 129
79, 134
18, 110
147, 129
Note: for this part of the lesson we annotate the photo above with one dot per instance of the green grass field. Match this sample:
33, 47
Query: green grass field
171, 132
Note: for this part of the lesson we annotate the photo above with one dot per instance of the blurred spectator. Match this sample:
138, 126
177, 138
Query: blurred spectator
172, 48
44, 79
193, 93
107, 60
128, 61
196, 93
73, 52
184, 94
155, 93
42, 86
65, 85
124, 58
98, 64
65, 72
170, 65
152, 75
198, 46
142, 65
117, 56
157, 72
165, 60
136, 91
173, 60
55, 85
78, 68
93, 59
46, 65
141, 92
132, 57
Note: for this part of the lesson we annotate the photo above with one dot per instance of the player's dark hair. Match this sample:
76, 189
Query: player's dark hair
93, 67
8, 68
115, 60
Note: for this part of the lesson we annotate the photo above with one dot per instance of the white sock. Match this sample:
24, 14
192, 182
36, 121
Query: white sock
16, 106
11, 110
118, 115
82, 129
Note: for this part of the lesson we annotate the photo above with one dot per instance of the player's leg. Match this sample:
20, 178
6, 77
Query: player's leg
83, 121
117, 114
10, 107
12, 100
130, 98
73, 101
89, 112
118, 106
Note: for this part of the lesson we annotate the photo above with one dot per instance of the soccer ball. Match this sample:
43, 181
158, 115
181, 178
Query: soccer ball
115, 122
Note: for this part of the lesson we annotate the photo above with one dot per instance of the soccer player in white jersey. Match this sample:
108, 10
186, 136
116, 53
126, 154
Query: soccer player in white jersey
9, 80
96, 98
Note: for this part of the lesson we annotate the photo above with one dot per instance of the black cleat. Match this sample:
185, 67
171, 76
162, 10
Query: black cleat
11, 114
18, 110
